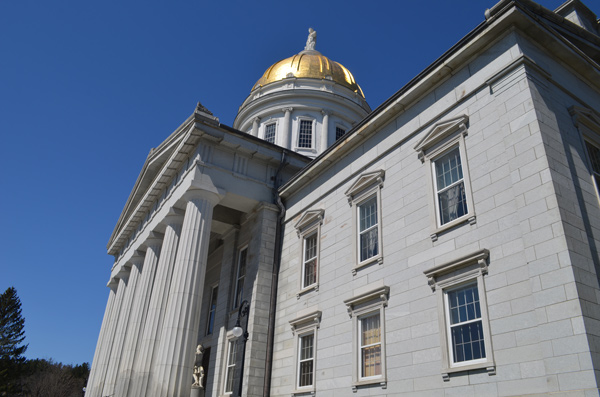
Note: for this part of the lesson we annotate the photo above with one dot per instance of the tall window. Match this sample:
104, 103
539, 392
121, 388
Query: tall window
305, 134
365, 198
230, 366
594, 156
309, 265
240, 277
368, 320
339, 132
212, 308
309, 229
370, 345
465, 324
270, 132
443, 151
305, 330
306, 360
450, 186
368, 230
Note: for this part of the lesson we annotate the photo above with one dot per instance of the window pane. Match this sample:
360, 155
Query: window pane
453, 203
239, 287
212, 310
230, 374
339, 132
310, 247
306, 373
368, 213
368, 244
371, 357
370, 330
310, 273
270, 133
466, 300
468, 342
594, 154
448, 169
306, 347
305, 134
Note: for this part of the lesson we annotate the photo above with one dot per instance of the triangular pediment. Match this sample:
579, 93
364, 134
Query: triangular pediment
587, 117
366, 181
309, 218
441, 131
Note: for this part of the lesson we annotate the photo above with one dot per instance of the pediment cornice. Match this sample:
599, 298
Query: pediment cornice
441, 131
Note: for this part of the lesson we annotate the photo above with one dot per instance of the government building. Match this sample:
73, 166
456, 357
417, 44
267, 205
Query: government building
445, 243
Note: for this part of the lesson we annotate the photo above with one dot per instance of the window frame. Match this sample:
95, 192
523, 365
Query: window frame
301, 327
362, 347
312, 133
308, 226
264, 131
230, 342
439, 141
588, 124
236, 301
360, 307
365, 188
212, 313
340, 127
450, 276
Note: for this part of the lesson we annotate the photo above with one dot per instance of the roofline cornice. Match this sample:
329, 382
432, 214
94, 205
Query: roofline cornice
505, 12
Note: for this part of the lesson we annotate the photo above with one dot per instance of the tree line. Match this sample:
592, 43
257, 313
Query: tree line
36, 377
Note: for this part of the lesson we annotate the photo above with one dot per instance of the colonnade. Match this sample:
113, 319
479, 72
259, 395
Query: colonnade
151, 324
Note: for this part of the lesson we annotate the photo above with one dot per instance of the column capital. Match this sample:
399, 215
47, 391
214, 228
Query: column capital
326, 112
174, 217
154, 240
256, 119
113, 283
202, 194
287, 110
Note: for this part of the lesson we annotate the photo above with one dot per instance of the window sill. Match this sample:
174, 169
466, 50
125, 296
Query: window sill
306, 290
367, 382
472, 219
308, 391
378, 259
305, 149
490, 367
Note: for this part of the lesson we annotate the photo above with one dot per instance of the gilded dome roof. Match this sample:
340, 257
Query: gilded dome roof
309, 64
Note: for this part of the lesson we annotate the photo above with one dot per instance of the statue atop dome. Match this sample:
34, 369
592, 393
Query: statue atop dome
311, 41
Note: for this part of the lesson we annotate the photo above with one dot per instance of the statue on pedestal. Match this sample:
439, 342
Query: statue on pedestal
198, 369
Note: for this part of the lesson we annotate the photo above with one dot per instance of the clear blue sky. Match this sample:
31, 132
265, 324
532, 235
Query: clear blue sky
88, 88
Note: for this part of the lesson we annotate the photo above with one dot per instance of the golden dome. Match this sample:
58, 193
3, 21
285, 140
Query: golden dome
309, 64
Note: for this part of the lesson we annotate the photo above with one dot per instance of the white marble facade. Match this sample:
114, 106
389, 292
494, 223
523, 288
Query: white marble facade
447, 246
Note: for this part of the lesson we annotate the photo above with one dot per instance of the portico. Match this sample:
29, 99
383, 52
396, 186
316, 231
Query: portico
188, 204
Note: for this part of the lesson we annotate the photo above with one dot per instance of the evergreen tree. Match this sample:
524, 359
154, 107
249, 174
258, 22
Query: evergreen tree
12, 335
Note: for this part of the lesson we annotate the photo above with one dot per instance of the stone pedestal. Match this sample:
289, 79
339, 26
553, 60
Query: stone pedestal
197, 392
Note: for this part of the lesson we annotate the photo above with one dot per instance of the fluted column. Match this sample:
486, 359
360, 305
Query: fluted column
325, 130
255, 126
122, 326
101, 345
95, 389
146, 354
138, 314
287, 128
175, 361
